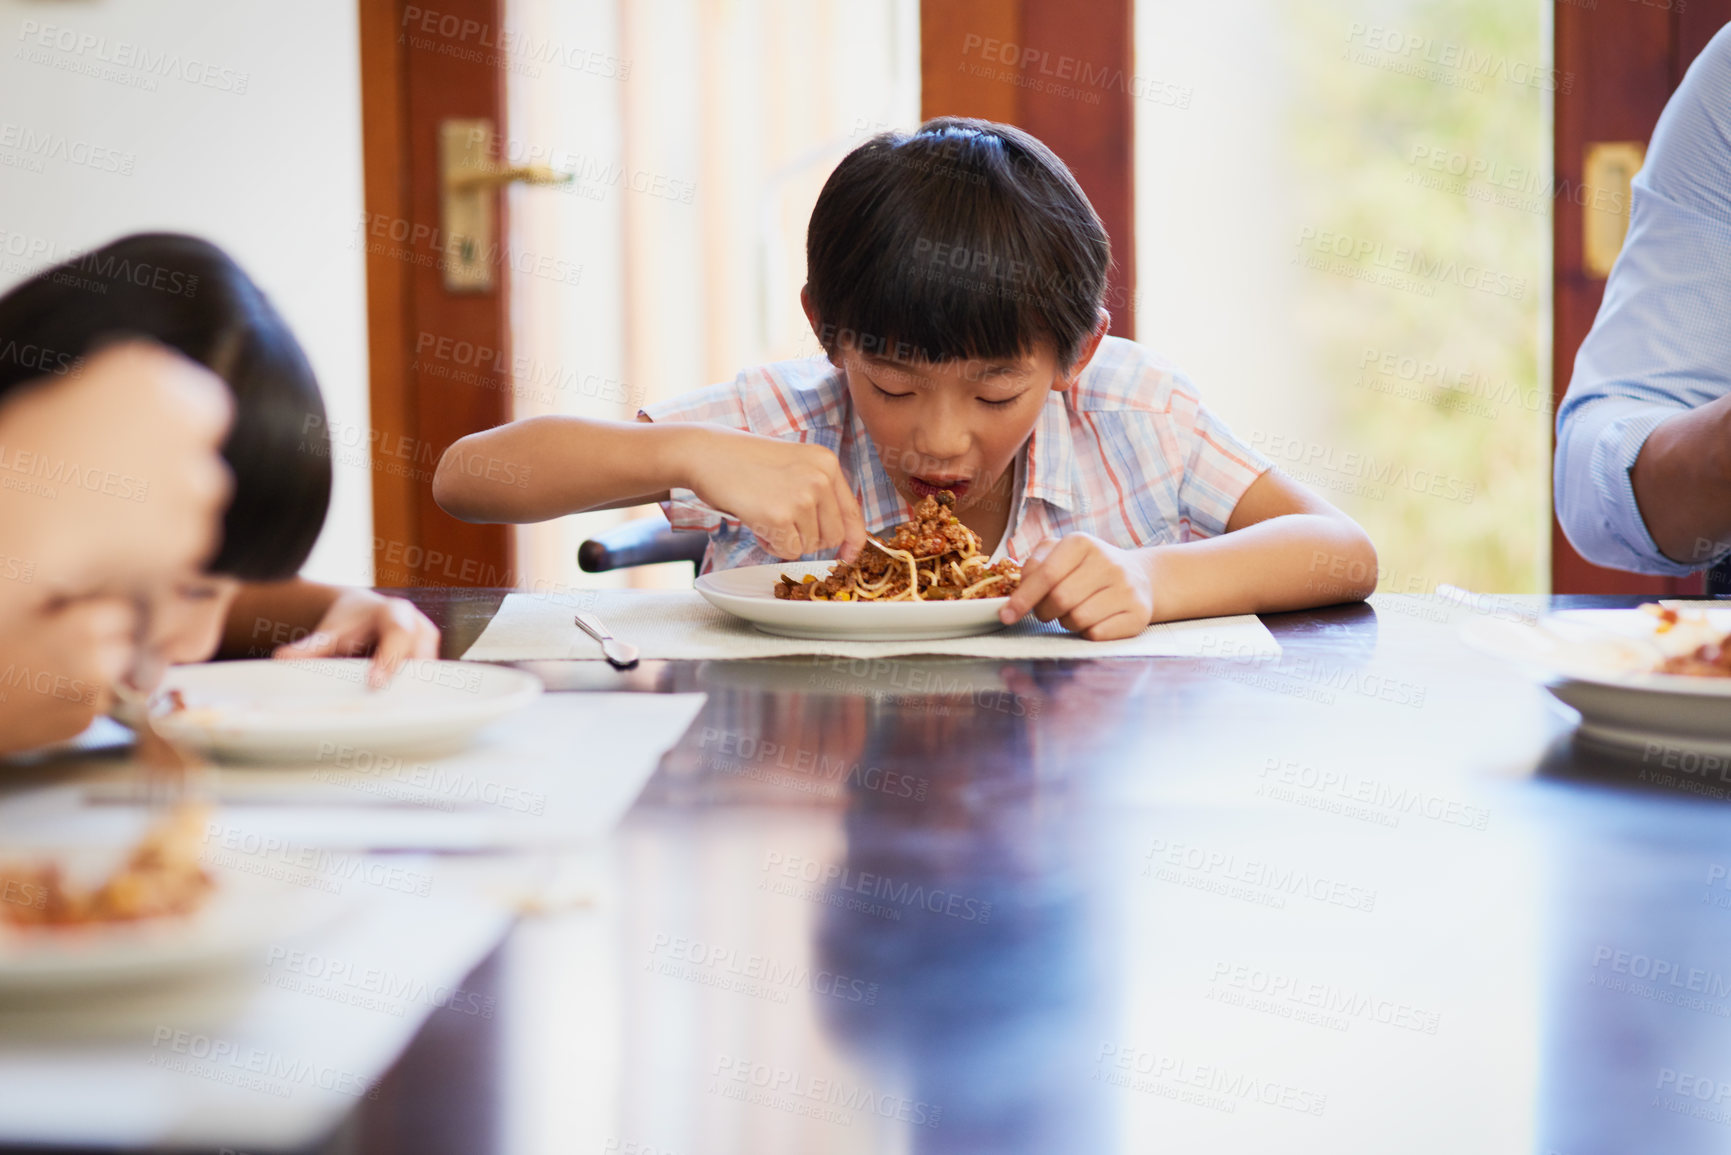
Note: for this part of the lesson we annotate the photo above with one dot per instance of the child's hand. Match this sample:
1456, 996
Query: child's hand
148, 424
360, 622
792, 496
72, 653
1093, 589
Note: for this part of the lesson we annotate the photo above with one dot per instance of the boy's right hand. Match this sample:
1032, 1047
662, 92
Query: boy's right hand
794, 497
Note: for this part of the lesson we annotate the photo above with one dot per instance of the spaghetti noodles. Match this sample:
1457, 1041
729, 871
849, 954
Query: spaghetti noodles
161, 876
934, 557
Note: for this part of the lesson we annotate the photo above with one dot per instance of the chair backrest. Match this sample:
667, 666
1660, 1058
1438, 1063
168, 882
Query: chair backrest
642, 541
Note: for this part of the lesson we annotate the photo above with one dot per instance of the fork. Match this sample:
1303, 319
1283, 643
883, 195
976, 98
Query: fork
168, 766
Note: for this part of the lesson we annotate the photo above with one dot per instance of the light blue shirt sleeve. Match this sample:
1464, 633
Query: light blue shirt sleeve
1661, 343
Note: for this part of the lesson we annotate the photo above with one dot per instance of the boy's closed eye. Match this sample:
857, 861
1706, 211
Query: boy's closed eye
994, 402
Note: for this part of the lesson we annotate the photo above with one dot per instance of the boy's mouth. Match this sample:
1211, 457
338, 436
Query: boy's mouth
926, 488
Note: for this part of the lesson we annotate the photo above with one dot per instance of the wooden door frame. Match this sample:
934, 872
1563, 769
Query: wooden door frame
419, 66
1063, 71
1070, 83
1623, 62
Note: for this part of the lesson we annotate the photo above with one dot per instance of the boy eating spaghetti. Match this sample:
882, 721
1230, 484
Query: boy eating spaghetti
955, 278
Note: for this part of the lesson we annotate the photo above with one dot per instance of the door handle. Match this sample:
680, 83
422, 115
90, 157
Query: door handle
468, 177
1607, 176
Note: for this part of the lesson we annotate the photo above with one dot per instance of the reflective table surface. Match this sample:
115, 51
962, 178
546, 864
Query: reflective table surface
1373, 896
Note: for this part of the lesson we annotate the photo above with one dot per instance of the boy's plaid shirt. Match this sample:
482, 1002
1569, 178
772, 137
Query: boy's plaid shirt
1129, 455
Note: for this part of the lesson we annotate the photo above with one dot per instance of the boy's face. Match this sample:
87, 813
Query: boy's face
954, 425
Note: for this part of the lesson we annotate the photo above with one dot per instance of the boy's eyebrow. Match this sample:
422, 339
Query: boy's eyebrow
1000, 369
990, 372
888, 366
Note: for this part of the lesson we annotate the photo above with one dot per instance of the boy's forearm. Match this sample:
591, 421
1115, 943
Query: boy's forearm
548, 467
1285, 563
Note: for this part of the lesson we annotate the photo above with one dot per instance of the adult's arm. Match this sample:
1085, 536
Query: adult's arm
1643, 468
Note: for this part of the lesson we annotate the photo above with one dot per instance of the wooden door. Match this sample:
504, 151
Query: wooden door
1061, 70
439, 358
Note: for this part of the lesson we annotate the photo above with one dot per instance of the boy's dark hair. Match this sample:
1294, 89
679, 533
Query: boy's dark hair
965, 238
188, 295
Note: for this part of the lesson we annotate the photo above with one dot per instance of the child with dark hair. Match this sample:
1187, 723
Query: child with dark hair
187, 295
955, 278
167, 296
111, 482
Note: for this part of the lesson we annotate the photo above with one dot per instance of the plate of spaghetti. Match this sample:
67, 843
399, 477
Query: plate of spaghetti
926, 579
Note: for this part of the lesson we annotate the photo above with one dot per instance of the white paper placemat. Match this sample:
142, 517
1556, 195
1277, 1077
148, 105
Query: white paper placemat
560, 773
268, 1057
272, 1053
681, 625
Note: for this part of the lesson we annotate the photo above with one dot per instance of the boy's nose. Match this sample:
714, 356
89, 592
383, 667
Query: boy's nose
939, 449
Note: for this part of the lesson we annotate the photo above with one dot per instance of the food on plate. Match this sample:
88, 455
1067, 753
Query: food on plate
932, 558
161, 876
184, 713
1690, 643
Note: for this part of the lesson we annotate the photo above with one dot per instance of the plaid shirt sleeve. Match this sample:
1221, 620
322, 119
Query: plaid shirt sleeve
1153, 464
1218, 467
714, 405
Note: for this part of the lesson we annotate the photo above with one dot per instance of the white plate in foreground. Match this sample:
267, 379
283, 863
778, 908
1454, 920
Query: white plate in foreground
749, 593
295, 710
1595, 661
244, 915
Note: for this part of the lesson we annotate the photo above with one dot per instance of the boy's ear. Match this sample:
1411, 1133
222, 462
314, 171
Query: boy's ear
1068, 377
811, 319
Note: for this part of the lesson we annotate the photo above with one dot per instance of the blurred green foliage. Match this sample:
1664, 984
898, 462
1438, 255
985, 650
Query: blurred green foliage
1427, 373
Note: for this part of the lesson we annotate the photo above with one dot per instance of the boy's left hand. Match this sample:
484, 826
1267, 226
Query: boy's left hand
1091, 588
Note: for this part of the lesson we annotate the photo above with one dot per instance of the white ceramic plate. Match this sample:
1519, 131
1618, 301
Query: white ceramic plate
293, 711
749, 592
1595, 661
241, 919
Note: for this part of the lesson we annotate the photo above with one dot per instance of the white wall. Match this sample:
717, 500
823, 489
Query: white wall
1214, 221
237, 122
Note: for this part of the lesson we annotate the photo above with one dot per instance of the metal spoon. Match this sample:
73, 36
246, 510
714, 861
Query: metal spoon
620, 655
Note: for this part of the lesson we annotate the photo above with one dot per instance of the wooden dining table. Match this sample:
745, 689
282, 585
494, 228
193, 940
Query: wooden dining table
1375, 895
